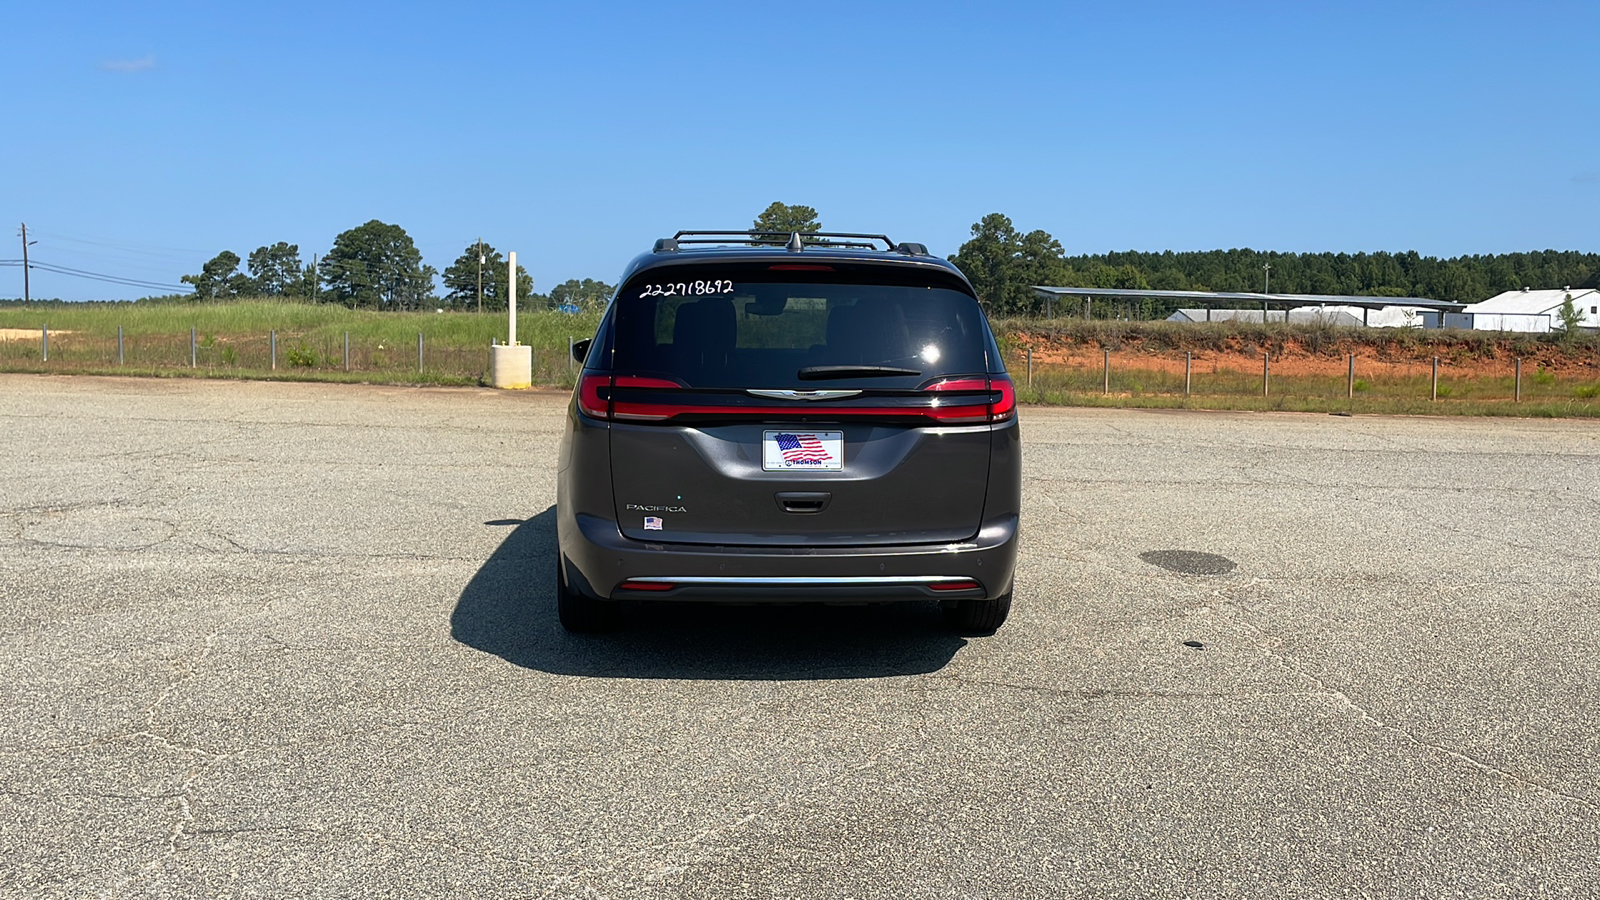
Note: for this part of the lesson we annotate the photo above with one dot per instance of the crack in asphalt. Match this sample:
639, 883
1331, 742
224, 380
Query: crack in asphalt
760, 810
188, 669
1263, 643
254, 551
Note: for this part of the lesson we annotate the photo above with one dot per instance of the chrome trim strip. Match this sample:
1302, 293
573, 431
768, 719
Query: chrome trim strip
802, 395
858, 579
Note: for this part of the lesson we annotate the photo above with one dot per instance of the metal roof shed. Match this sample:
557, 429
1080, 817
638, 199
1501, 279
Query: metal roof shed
1233, 299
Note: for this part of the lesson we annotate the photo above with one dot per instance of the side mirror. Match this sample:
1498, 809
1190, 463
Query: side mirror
580, 350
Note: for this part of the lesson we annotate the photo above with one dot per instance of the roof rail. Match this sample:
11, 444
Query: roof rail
794, 240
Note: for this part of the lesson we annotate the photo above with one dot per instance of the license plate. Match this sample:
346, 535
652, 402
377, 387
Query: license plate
817, 451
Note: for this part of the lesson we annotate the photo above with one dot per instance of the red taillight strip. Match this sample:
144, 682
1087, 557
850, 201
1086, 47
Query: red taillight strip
959, 384
659, 412
640, 381
969, 410
646, 586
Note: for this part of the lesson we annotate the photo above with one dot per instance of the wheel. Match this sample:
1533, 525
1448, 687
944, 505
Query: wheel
978, 616
581, 614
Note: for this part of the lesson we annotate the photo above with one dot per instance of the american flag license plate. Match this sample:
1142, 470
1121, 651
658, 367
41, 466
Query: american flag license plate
816, 451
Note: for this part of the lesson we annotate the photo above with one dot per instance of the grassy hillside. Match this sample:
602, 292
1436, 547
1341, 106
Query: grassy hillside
235, 340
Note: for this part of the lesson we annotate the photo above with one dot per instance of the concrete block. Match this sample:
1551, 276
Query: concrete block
511, 367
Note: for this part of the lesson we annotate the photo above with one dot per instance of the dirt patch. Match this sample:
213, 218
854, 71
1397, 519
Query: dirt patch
1292, 356
26, 334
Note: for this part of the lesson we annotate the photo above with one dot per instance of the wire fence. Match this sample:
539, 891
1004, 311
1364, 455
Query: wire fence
285, 354
1350, 381
1082, 375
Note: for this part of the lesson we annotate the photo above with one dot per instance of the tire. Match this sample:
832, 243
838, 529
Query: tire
580, 614
978, 616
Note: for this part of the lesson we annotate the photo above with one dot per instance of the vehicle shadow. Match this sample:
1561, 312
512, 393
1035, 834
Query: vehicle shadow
509, 609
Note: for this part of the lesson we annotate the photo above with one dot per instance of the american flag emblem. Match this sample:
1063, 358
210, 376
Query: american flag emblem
652, 523
803, 449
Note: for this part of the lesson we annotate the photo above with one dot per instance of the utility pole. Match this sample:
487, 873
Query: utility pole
480, 274
314, 291
25, 242
1266, 288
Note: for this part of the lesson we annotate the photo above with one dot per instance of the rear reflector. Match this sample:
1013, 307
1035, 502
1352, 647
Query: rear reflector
953, 586
647, 585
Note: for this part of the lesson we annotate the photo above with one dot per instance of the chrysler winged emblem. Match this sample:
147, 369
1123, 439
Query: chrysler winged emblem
803, 395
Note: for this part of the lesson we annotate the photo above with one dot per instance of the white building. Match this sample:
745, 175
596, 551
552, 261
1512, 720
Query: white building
1525, 310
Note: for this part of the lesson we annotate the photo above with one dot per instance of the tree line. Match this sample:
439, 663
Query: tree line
1004, 264
378, 266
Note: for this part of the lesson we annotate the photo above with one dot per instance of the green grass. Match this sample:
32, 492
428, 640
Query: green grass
235, 340
1318, 338
1236, 390
539, 328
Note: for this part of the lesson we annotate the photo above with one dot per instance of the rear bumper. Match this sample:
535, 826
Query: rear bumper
600, 560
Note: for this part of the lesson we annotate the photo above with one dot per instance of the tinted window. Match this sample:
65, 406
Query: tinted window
757, 328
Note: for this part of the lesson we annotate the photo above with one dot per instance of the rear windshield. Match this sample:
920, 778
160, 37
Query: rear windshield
761, 328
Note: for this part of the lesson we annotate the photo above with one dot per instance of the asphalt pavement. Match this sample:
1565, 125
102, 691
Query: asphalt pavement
282, 640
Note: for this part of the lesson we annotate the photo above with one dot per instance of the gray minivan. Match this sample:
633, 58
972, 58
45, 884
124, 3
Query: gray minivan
789, 418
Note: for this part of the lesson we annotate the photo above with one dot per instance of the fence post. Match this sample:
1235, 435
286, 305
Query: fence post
1188, 371
119, 345
1516, 396
1350, 379
419, 352
569, 353
45, 337
1266, 370
1030, 367
273, 342
193, 355
1435, 397
1106, 370
347, 351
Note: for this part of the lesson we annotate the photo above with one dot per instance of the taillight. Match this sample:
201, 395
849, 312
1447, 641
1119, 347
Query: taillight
959, 384
1006, 406
639, 381
590, 402
597, 398
966, 410
645, 412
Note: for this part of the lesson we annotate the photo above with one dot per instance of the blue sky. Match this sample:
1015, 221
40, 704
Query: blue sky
144, 138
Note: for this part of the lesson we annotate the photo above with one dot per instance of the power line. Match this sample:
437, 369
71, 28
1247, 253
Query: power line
110, 279
148, 249
99, 276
